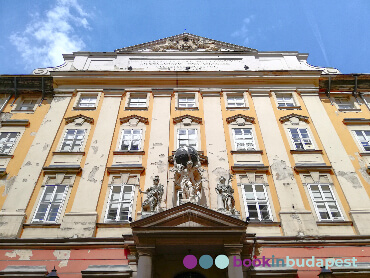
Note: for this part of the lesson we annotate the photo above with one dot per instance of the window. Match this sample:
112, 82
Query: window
243, 139
235, 100
187, 137
256, 202
131, 140
27, 104
138, 101
324, 202
285, 100
120, 203
301, 139
51, 203
363, 137
344, 103
73, 140
186, 100
87, 101
179, 197
7, 141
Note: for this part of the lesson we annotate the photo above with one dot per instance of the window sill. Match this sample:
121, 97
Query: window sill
22, 111
84, 108
264, 223
246, 151
69, 153
349, 110
289, 107
117, 224
41, 225
305, 151
237, 108
187, 108
334, 223
136, 108
318, 167
4, 155
129, 152
365, 154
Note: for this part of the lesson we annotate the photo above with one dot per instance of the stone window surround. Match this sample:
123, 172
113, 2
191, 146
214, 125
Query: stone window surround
194, 92
251, 177
352, 128
82, 93
315, 177
59, 177
244, 93
75, 125
187, 125
128, 178
133, 93
19, 129
298, 124
334, 95
133, 123
247, 125
274, 94
21, 99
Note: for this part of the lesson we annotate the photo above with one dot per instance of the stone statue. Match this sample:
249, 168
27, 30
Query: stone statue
153, 196
225, 198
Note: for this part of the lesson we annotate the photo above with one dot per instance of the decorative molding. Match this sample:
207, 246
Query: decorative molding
73, 118
234, 118
187, 116
293, 115
128, 118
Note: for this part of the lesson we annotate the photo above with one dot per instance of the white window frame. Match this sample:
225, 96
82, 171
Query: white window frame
283, 101
120, 201
187, 133
232, 102
8, 143
360, 142
138, 101
245, 140
74, 140
61, 204
256, 201
186, 100
340, 104
179, 197
88, 104
325, 202
30, 106
131, 139
301, 138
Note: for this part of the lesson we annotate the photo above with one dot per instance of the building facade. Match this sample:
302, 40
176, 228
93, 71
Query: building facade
119, 164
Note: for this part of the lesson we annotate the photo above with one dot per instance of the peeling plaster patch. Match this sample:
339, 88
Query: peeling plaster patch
8, 185
62, 255
351, 178
95, 142
92, 174
282, 171
351, 157
95, 149
45, 147
28, 163
24, 255
24, 180
57, 99
33, 133
5, 116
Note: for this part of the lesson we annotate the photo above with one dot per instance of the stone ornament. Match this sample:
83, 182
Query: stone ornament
225, 197
186, 44
153, 196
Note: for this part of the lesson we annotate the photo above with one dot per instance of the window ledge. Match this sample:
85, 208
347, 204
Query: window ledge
320, 167
237, 108
305, 151
62, 169
69, 153
129, 152
349, 110
42, 225
187, 108
246, 151
264, 223
84, 108
289, 107
136, 108
4, 155
249, 167
364, 154
356, 121
334, 223
117, 224
15, 123
118, 168
22, 111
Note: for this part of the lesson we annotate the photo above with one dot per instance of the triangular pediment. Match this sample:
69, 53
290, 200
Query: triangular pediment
185, 42
189, 215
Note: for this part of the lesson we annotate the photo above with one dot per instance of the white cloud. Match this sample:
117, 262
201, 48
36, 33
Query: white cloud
47, 37
244, 31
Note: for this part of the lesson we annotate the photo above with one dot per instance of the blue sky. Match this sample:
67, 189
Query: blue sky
35, 34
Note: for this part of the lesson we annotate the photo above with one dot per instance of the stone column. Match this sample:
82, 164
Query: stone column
157, 163
234, 251
218, 164
354, 191
144, 268
82, 218
12, 213
295, 219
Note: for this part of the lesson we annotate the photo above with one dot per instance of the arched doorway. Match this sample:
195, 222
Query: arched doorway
190, 275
